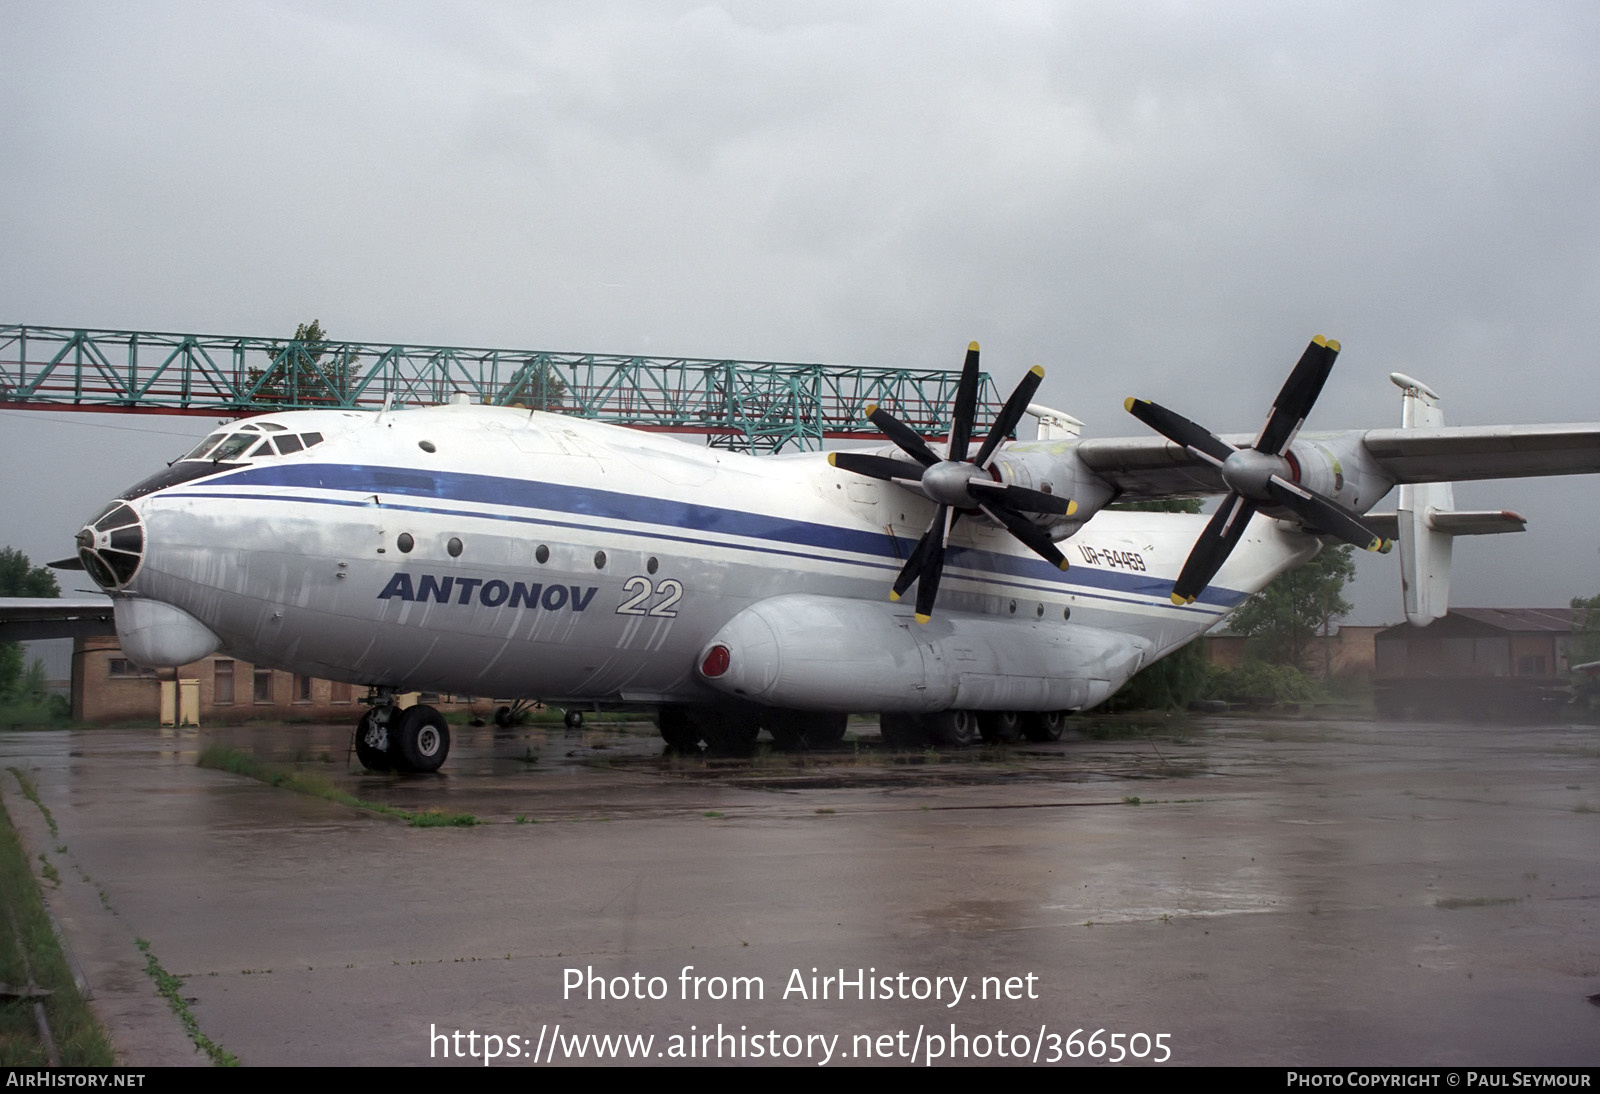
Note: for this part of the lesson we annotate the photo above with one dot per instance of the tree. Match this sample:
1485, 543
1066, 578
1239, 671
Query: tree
19, 577
1288, 613
1584, 647
536, 386
297, 373
1179, 678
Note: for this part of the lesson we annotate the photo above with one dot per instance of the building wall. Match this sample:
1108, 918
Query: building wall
1351, 651
106, 687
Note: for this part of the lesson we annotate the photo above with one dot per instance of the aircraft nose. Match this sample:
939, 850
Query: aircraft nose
112, 545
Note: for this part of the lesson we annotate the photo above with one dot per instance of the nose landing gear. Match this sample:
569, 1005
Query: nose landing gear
412, 741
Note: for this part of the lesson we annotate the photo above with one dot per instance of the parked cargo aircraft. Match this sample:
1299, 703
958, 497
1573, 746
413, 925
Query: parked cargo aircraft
493, 551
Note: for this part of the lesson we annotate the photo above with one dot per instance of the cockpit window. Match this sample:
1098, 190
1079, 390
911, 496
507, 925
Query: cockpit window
288, 443
199, 450
262, 449
311, 438
233, 446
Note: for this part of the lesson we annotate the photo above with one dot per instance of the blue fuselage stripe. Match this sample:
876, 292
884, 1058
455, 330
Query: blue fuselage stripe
613, 505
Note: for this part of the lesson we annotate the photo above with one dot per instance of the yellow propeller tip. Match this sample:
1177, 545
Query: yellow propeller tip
1037, 370
1064, 564
1178, 600
872, 408
1127, 404
923, 618
1333, 345
831, 462
972, 347
1319, 340
893, 595
1072, 507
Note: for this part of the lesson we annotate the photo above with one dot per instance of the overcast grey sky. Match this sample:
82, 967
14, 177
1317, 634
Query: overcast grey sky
1162, 199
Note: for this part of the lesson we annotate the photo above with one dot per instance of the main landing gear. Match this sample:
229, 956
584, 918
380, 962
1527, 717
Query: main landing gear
412, 741
962, 728
735, 731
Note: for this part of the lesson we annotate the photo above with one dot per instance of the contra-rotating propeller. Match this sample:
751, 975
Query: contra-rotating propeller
1260, 475
957, 484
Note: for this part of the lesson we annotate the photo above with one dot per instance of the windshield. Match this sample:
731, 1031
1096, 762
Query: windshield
199, 450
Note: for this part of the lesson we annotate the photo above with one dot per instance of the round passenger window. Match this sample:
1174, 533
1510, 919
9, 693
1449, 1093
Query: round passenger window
652, 566
599, 560
426, 446
454, 547
405, 542
542, 554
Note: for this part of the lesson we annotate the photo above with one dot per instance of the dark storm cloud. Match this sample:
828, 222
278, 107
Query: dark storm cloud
1164, 199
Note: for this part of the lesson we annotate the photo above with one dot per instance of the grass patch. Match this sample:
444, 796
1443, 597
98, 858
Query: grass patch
238, 762
170, 988
31, 948
31, 792
1453, 902
712, 813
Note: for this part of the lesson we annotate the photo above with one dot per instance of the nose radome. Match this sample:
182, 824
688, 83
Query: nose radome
111, 545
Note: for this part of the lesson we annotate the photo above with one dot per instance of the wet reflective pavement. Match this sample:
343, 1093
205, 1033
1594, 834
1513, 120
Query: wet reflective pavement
1284, 892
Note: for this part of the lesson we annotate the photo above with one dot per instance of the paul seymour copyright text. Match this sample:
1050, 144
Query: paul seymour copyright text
926, 1043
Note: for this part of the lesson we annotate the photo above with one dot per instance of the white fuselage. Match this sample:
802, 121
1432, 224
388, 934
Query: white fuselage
496, 552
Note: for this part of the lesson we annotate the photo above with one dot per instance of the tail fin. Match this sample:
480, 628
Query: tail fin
1428, 520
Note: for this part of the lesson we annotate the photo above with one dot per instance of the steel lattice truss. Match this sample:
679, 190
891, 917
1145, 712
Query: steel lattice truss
753, 405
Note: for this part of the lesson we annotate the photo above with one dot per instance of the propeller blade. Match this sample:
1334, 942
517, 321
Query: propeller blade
1213, 547
1180, 430
902, 435
1010, 415
1034, 537
1299, 391
933, 566
1324, 514
966, 407
1020, 497
876, 467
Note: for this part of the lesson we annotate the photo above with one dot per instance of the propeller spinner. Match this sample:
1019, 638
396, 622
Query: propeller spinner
1259, 475
959, 485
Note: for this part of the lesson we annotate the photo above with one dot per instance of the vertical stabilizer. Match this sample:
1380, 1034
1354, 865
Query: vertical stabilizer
1424, 551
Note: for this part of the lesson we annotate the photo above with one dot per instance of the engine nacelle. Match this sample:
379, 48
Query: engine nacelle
158, 635
826, 653
1338, 467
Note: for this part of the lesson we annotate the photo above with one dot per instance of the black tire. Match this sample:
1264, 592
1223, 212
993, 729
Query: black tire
901, 731
419, 740
373, 755
1000, 727
678, 729
952, 728
1043, 725
574, 719
502, 717
799, 730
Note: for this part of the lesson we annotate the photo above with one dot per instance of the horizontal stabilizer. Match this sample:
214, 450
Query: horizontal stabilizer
1477, 522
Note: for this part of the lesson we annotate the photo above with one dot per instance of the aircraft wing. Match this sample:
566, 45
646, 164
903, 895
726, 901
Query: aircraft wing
1153, 467
1462, 453
23, 619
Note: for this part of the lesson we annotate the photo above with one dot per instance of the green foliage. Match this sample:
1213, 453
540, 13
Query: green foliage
18, 577
24, 699
1288, 613
1263, 682
298, 372
1158, 505
1583, 647
1172, 683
